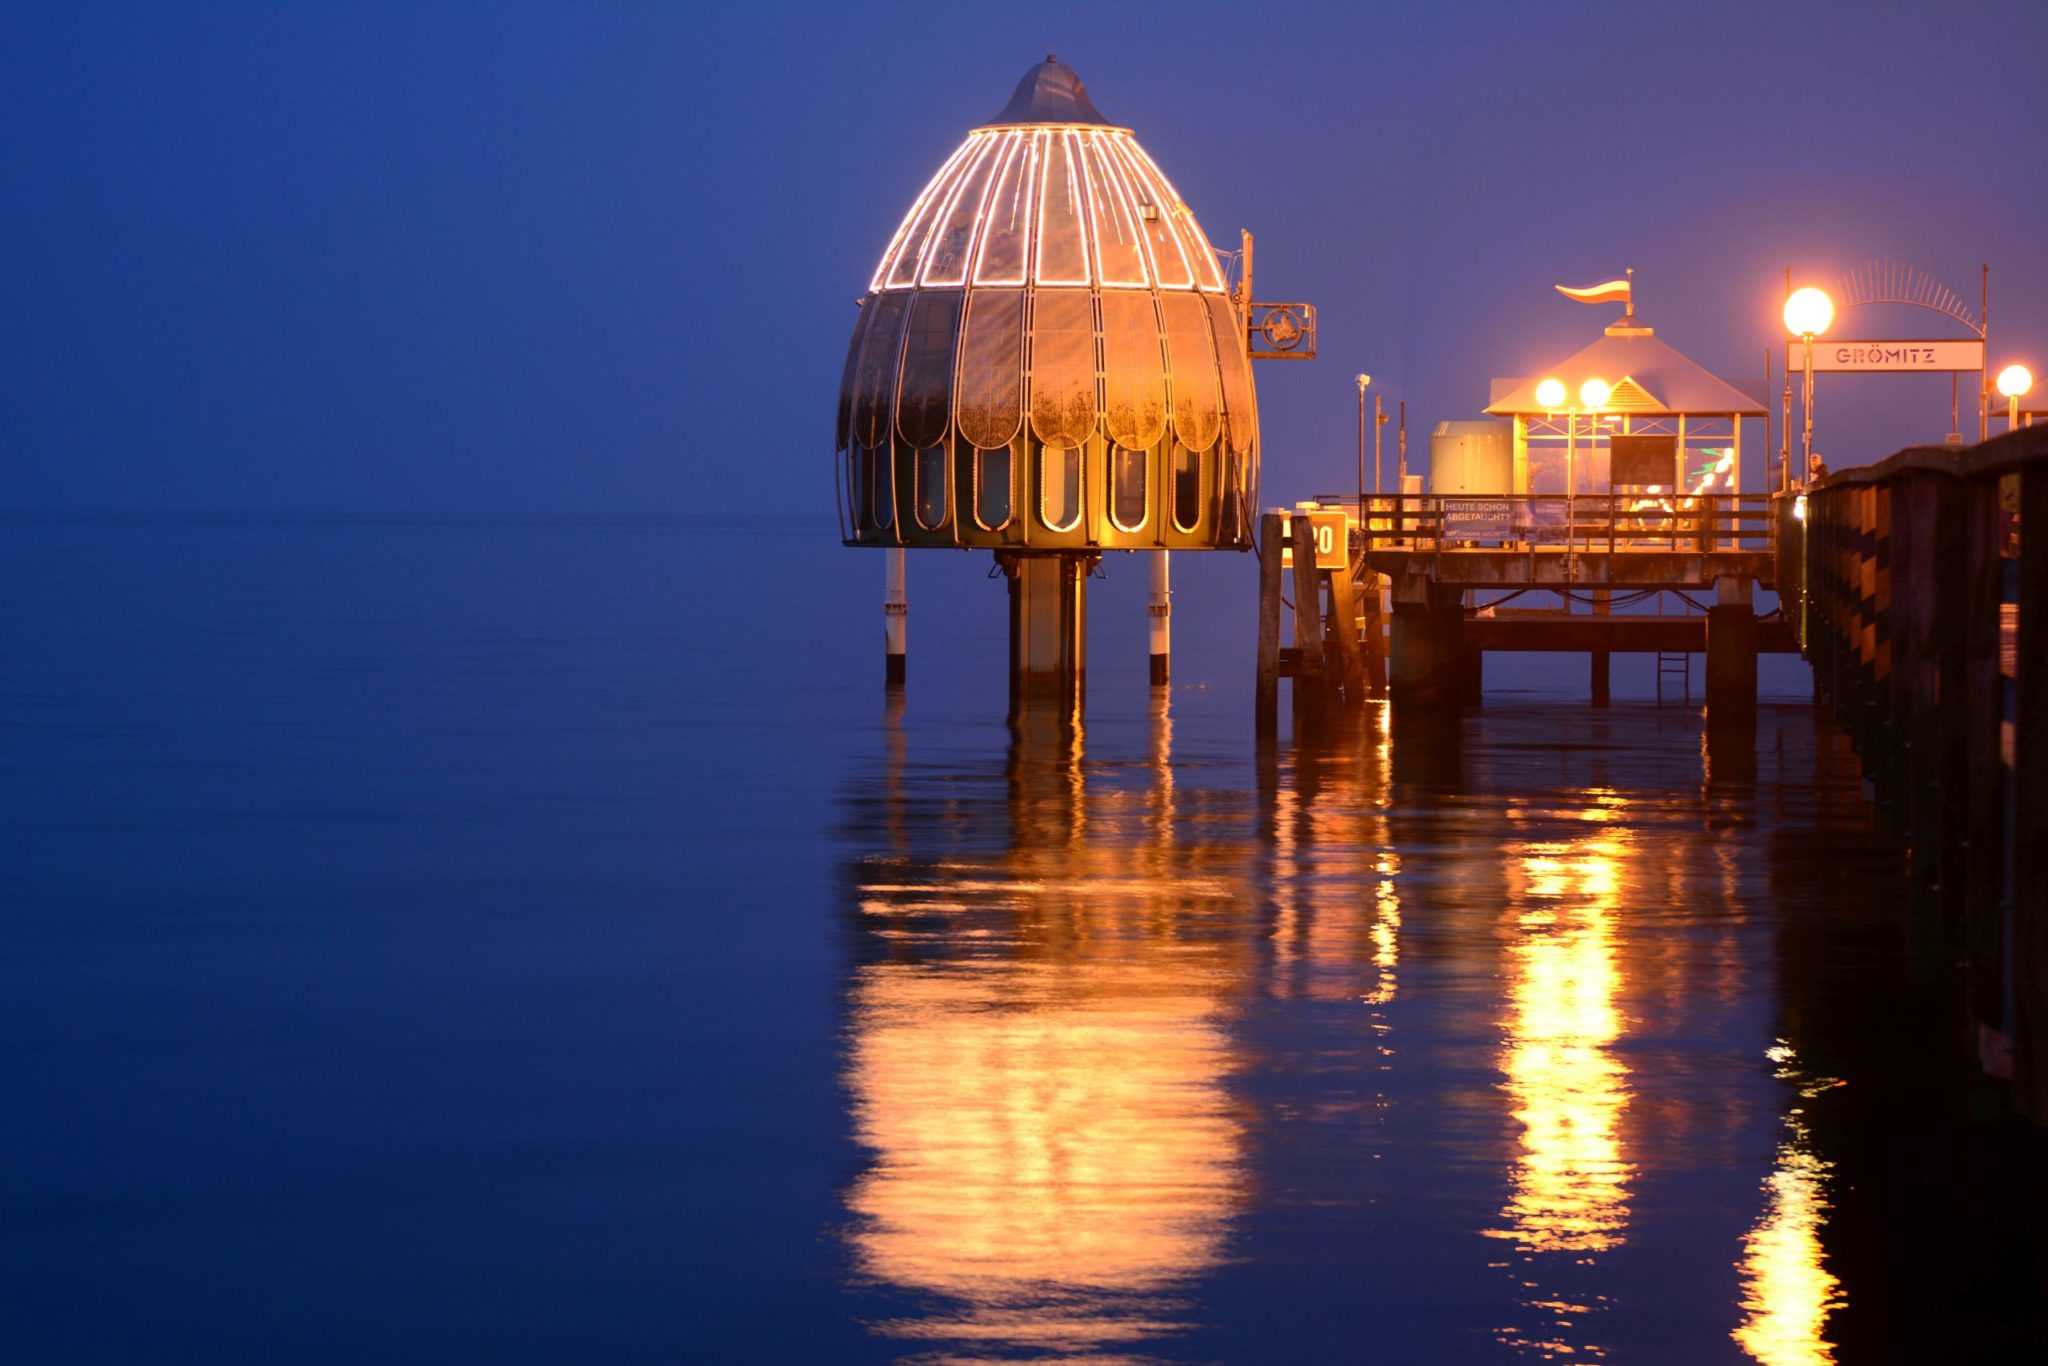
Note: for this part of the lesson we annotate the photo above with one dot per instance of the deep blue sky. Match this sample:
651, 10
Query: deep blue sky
587, 258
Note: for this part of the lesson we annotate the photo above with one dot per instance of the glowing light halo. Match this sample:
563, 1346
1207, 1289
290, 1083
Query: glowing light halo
1550, 393
2015, 380
1808, 312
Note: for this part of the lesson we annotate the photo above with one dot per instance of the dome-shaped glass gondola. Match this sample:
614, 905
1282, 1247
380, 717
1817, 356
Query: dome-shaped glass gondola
1047, 357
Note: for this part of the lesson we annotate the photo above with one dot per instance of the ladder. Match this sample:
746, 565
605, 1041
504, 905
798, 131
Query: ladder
1669, 665
1677, 666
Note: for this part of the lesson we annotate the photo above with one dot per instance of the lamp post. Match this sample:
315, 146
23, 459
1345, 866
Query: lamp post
1808, 312
1550, 393
1592, 397
1363, 381
2013, 381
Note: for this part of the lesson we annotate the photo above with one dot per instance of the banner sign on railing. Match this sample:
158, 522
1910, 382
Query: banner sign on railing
1480, 519
1501, 519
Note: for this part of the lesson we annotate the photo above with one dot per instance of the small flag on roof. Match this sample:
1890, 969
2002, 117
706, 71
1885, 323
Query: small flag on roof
1619, 291
1607, 292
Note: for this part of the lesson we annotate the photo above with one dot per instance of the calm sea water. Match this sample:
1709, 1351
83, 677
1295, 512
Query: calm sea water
449, 940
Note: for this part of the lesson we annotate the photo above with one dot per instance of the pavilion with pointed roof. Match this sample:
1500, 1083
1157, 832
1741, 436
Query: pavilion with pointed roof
1656, 391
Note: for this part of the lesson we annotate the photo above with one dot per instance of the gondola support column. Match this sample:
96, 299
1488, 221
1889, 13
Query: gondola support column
1160, 609
895, 619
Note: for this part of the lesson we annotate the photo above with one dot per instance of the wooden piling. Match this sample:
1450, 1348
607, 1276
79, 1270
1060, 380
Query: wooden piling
1267, 699
1731, 651
1930, 650
1984, 794
1340, 630
2028, 888
1603, 599
1308, 619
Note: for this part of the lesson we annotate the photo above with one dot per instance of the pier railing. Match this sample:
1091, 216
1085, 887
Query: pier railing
1586, 523
1923, 608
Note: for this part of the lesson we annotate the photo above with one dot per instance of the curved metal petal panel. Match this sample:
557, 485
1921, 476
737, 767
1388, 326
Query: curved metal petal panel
1155, 208
1197, 397
1119, 256
1062, 215
1240, 406
898, 267
1063, 366
846, 376
1200, 257
952, 241
1004, 256
874, 395
991, 377
924, 404
1133, 370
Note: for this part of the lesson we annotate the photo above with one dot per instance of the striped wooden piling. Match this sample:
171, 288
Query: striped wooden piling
1926, 622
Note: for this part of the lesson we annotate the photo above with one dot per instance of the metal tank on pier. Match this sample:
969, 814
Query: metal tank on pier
1049, 363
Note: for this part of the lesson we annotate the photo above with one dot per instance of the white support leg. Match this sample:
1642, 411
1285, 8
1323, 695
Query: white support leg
895, 618
1161, 611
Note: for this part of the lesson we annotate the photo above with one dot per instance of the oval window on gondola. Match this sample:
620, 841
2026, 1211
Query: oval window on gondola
1187, 488
931, 487
1059, 488
1129, 474
992, 488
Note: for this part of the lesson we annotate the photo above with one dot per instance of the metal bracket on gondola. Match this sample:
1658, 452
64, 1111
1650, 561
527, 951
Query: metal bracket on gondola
1282, 332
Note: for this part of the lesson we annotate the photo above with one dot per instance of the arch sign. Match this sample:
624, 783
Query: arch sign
1891, 282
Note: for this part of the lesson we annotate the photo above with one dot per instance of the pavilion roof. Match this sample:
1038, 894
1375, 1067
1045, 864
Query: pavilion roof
1649, 376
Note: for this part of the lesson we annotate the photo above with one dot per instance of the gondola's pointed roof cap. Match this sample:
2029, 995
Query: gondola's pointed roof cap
1049, 93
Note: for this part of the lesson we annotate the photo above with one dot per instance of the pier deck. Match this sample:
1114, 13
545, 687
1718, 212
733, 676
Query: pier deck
1447, 561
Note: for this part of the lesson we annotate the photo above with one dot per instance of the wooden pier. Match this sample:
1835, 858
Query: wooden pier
1438, 557
1926, 622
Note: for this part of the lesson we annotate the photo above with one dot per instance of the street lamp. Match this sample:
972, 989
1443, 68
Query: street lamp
2013, 381
1363, 381
1808, 312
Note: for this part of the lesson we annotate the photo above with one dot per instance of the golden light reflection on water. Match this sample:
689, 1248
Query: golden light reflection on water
1570, 1180
1063, 964
1039, 1065
1787, 1291
1044, 1135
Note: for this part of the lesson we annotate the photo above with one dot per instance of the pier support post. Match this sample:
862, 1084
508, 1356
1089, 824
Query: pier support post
1429, 669
1731, 649
1985, 791
1048, 628
1340, 634
1374, 646
895, 618
2029, 818
1602, 604
1160, 610
1950, 563
1309, 677
1266, 707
